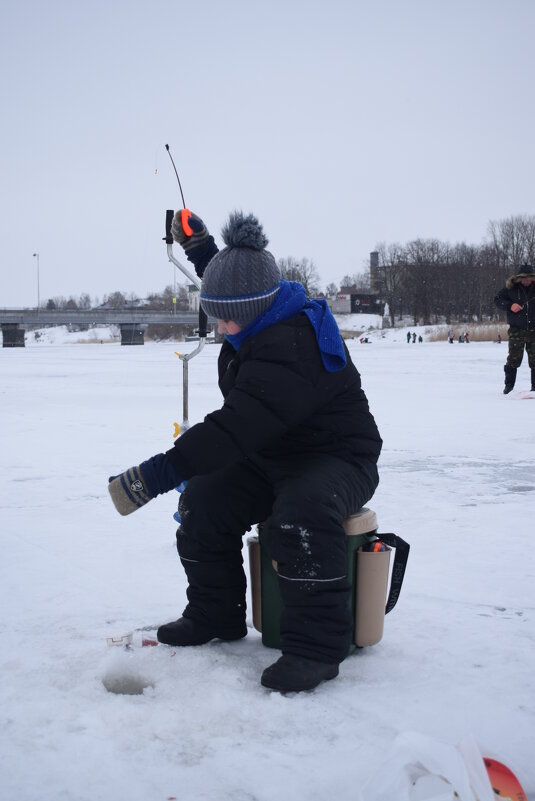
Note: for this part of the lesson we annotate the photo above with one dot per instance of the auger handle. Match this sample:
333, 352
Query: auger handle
169, 214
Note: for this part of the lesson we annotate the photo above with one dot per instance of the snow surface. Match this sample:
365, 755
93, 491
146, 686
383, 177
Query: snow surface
457, 657
61, 335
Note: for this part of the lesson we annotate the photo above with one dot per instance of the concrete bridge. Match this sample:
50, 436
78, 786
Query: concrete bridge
132, 322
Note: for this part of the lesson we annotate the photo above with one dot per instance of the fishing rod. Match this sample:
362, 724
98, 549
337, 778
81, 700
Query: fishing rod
185, 215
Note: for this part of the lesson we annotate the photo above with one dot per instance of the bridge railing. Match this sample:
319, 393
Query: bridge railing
132, 322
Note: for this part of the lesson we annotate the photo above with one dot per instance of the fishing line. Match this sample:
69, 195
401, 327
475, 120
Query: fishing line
176, 173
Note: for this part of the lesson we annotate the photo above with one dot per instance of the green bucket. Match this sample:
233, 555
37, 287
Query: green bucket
267, 600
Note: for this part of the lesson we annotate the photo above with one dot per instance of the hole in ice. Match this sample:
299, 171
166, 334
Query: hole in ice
126, 684
122, 675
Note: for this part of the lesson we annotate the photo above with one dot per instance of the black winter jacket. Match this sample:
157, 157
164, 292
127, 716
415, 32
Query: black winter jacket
514, 292
280, 401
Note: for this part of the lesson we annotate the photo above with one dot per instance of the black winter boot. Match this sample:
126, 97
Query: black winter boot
295, 674
533, 379
185, 631
510, 378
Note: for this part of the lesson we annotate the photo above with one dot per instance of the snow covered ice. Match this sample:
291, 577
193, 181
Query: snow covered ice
457, 656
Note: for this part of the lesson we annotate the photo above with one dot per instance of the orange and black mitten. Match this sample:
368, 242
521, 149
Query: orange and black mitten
193, 236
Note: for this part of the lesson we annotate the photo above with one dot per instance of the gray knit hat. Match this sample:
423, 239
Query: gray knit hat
242, 280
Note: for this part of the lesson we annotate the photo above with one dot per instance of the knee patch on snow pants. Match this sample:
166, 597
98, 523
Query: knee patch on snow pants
311, 562
305, 536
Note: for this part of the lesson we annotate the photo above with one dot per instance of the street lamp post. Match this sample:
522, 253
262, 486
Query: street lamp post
36, 255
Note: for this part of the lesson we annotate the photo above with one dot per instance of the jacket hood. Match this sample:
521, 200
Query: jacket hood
526, 271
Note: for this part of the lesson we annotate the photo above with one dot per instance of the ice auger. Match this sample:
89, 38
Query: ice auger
203, 320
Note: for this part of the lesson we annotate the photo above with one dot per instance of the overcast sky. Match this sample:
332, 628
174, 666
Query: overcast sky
340, 124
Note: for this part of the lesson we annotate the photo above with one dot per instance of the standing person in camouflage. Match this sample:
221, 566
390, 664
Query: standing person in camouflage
517, 298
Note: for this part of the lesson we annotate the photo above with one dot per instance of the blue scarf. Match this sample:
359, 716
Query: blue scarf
290, 300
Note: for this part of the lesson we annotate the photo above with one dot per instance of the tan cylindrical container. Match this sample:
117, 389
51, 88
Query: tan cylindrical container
372, 584
255, 570
363, 522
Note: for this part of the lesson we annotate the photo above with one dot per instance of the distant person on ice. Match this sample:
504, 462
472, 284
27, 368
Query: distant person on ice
294, 444
517, 298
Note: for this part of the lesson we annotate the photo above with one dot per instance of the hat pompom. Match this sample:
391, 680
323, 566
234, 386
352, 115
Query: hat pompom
244, 231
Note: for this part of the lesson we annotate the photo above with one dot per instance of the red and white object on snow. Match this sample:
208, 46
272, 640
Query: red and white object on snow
504, 782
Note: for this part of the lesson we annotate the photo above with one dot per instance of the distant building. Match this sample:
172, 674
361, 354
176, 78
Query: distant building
341, 304
366, 304
352, 300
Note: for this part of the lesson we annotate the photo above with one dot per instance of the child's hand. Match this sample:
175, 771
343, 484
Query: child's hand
129, 491
188, 229
192, 235
138, 485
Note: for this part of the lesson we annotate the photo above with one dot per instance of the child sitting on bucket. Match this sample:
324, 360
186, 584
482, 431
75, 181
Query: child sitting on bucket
293, 445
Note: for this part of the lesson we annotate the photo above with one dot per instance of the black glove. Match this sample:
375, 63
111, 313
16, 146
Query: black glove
138, 485
192, 235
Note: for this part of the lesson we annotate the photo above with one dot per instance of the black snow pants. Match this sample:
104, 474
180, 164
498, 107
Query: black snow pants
303, 502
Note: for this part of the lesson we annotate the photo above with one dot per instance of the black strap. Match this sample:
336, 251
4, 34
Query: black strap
169, 214
398, 570
203, 323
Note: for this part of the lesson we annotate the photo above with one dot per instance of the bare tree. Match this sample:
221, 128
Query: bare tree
84, 301
182, 298
491, 280
424, 257
57, 302
347, 281
331, 290
116, 300
302, 270
391, 274
514, 240
360, 282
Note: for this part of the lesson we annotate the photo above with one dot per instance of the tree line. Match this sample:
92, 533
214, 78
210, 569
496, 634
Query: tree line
155, 301
292, 269
434, 281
